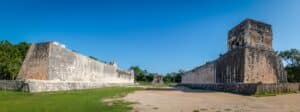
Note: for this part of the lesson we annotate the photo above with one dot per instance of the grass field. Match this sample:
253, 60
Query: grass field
67, 101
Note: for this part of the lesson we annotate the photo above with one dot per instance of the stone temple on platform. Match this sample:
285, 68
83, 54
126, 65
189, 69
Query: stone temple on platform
250, 59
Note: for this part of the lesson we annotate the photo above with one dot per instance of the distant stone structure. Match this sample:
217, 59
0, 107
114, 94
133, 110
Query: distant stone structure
157, 79
51, 67
250, 59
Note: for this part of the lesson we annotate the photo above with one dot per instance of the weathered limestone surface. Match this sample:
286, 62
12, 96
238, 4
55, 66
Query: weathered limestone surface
230, 67
13, 85
248, 88
251, 33
35, 65
51, 67
52, 85
203, 74
250, 59
250, 65
263, 66
65, 65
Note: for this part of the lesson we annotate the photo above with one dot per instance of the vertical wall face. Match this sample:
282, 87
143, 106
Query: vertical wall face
230, 67
35, 65
263, 66
203, 74
65, 65
250, 33
53, 62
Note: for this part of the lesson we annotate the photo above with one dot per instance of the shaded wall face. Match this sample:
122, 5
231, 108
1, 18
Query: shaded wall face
203, 74
230, 67
35, 65
263, 66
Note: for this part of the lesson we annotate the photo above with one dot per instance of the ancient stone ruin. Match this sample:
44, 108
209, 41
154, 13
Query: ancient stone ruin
250, 59
51, 67
157, 79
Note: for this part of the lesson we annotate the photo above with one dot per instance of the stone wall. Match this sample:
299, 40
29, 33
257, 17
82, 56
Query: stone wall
250, 58
35, 65
13, 85
52, 85
230, 67
240, 65
203, 74
51, 67
65, 65
250, 33
248, 89
263, 66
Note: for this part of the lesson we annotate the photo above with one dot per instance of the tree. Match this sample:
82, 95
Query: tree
145, 76
168, 78
178, 76
11, 58
142, 75
23, 48
292, 59
138, 73
149, 77
173, 77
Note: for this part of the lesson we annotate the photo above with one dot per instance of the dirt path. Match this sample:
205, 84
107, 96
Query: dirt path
205, 101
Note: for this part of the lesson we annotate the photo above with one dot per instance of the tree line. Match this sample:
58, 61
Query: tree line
11, 58
145, 76
291, 59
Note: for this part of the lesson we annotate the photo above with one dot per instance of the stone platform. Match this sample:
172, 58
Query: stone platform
33, 86
248, 89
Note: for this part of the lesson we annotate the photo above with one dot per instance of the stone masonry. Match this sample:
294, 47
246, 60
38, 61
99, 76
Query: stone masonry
51, 67
250, 59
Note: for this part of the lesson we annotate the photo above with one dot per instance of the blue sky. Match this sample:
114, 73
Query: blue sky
158, 35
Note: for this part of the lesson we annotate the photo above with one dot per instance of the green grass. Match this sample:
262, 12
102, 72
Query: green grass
66, 101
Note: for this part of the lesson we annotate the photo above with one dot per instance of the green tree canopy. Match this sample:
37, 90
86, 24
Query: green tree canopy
292, 60
138, 73
11, 58
145, 76
173, 77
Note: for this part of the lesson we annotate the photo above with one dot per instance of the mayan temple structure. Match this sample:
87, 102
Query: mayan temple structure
250, 59
50, 66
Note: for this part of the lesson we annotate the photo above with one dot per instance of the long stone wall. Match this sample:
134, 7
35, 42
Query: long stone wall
240, 65
65, 65
203, 74
248, 88
13, 85
52, 67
